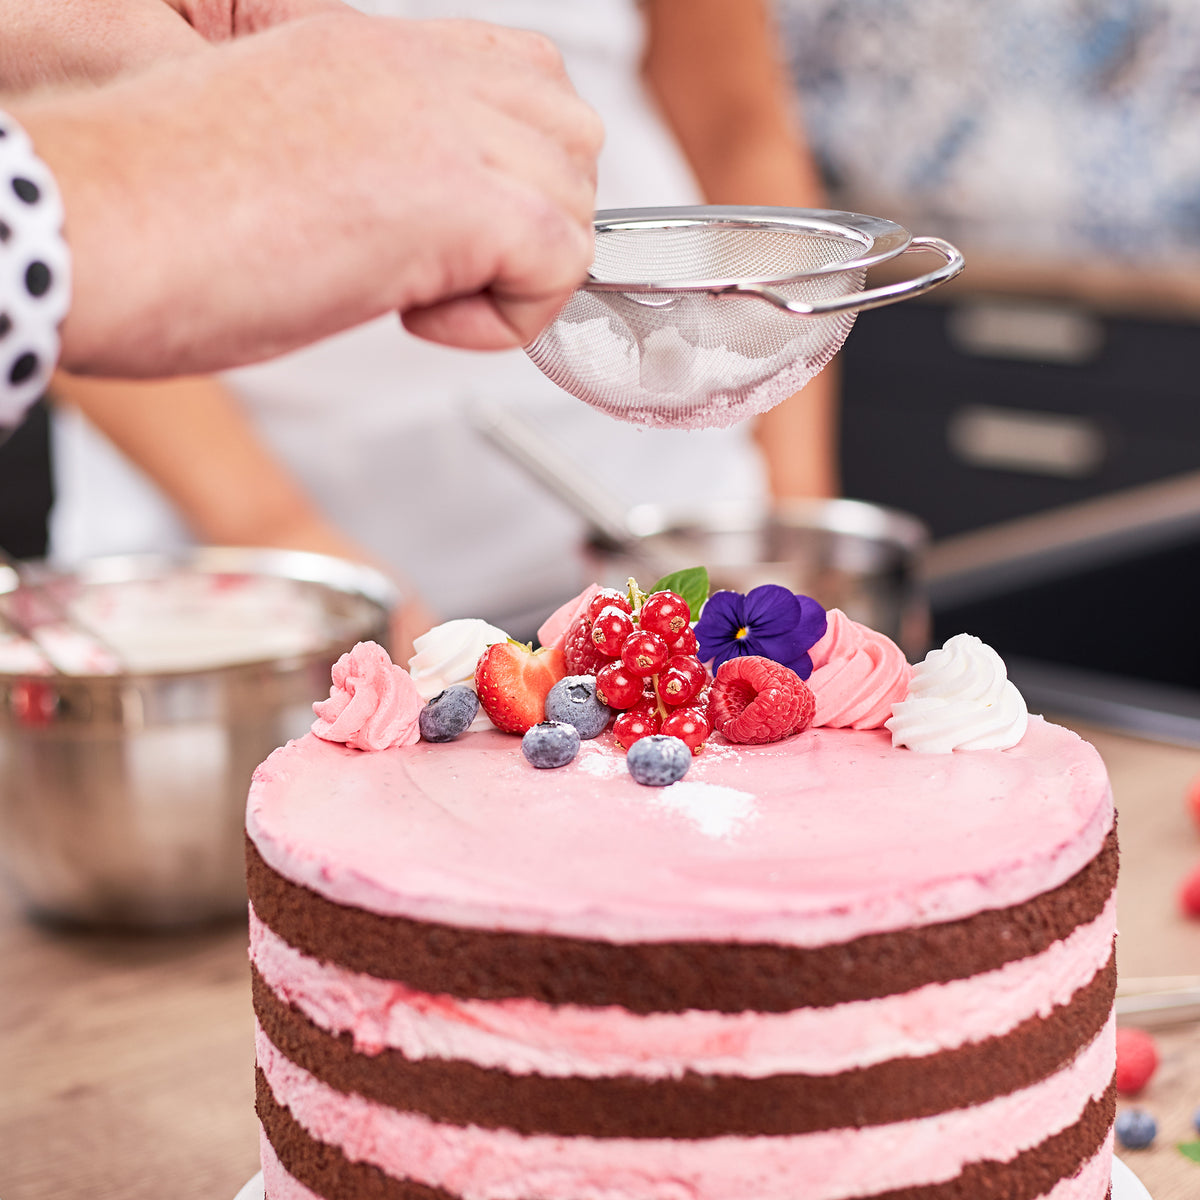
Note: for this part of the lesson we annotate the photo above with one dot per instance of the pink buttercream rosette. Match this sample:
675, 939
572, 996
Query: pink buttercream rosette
373, 704
858, 674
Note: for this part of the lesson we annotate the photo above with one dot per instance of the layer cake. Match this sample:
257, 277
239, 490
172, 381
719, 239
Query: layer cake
812, 970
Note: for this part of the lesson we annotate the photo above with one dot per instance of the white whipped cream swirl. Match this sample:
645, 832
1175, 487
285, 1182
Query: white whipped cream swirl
447, 654
959, 698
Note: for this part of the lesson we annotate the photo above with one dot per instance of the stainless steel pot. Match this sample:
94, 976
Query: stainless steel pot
846, 554
122, 796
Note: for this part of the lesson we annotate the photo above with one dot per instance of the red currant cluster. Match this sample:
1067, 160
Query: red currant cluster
644, 660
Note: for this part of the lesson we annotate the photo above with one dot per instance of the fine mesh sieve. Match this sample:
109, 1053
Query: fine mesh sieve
701, 317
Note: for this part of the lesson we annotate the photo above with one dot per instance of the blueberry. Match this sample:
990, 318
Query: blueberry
658, 760
448, 713
573, 700
1135, 1128
550, 744
1196, 1120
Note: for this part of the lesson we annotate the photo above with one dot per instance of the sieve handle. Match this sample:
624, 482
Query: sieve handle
872, 297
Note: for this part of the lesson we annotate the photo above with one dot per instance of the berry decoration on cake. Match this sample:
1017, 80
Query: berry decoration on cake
642, 651
513, 680
633, 661
573, 699
550, 744
658, 760
449, 713
755, 700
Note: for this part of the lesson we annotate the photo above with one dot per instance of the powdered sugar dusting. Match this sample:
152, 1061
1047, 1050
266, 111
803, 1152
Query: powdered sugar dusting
594, 760
716, 811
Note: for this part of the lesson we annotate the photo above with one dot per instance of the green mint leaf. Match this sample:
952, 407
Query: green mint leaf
690, 583
1190, 1150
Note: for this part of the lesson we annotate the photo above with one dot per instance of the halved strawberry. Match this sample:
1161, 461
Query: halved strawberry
512, 680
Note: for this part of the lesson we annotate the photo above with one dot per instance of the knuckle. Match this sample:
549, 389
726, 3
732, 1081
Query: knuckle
541, 51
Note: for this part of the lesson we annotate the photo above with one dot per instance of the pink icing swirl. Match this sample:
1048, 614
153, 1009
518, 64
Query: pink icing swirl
857, 676
373, 704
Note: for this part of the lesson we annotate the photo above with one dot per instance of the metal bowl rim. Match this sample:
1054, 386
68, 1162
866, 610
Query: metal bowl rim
850, 518
302, 566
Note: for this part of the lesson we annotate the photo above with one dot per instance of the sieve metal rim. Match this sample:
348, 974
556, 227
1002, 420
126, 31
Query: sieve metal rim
880, 238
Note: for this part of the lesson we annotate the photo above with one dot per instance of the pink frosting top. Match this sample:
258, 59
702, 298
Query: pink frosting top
373, 704
818, 838
857, 676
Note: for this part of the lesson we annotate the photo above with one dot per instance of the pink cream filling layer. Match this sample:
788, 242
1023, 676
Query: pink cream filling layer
484, 1164
526, 1037
781, 843
1089, 1183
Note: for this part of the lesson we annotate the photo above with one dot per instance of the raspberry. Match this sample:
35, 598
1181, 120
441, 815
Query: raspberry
579, 651
755, 700
1189, 894
1137, 1060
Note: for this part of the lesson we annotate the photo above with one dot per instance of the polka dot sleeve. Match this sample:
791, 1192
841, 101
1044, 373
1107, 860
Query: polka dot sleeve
35, 273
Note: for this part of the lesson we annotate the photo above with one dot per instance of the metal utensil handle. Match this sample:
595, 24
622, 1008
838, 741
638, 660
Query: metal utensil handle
872, 297
523, 444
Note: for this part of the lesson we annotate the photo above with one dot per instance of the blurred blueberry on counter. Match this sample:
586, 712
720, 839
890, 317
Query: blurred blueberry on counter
448, 713
1135, 1128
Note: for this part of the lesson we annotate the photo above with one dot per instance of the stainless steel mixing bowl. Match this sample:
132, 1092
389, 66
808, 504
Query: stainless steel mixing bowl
846, 554
122, 796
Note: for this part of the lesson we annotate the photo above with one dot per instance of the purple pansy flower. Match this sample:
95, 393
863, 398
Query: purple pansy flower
768, 620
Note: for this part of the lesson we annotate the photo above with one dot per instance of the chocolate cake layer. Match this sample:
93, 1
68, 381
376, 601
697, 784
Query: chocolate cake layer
325, 1170
647, 977
696, 1105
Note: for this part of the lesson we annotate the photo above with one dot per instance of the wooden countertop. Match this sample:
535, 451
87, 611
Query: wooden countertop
127, 1060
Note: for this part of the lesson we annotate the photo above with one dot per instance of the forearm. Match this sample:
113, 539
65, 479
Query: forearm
798, 441
218, 216
714, 69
